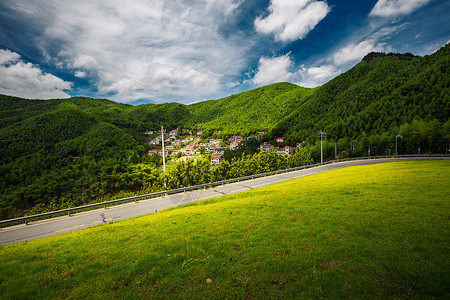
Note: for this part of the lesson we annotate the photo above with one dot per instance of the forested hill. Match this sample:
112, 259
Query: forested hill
248, 112
377, 96
67, 152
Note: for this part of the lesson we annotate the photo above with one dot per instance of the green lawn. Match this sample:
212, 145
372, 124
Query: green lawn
379, 231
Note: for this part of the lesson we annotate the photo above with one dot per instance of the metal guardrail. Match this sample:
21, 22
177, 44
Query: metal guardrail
69, 211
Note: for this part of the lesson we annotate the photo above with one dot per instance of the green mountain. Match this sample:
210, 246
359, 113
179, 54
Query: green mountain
65, 152
378, 95
248, 112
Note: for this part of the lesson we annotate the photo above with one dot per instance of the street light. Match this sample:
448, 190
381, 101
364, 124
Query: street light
398, 136
322, 134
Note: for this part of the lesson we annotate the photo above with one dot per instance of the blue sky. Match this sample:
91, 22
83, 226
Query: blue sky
193, 50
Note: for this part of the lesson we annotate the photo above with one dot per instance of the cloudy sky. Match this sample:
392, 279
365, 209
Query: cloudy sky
192, 50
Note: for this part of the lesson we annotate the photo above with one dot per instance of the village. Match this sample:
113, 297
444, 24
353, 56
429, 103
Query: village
184, 143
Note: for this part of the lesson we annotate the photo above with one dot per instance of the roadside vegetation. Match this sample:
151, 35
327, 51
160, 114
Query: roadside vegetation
378, 231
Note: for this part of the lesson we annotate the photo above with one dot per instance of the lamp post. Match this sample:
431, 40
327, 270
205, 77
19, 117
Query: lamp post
398, 136
322, 134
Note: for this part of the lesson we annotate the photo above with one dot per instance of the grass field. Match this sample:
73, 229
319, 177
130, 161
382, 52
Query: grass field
379, 231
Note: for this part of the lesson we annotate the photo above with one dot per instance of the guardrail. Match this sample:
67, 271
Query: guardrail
69, 211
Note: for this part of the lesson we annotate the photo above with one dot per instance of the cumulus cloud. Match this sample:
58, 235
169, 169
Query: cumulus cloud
271, 70
353, 51
291, 20
316, 76
393, 8
27, 80
143, 48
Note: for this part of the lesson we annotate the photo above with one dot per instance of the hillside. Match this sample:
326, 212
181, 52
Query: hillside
65, 152
377, 96
346, 234
248, 112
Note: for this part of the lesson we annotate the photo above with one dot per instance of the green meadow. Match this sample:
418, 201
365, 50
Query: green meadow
379, 231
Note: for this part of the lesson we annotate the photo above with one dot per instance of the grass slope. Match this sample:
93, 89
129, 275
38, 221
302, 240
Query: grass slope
377, 231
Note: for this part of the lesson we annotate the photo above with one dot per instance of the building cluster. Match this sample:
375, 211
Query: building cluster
184, 142
266, 148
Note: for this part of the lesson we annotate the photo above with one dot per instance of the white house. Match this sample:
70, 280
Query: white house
216, 159
234, 145
265, 147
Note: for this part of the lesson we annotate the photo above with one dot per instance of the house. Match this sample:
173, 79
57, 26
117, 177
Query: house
176, 143
149, 132
234, 145
186, 131
219, 151
265, 147
160, 153
300, 145
151, 152
188, 151
154, 141
235, 138
288, 150
173, 132
215, 143
200, 133
175, 152
169, 147
280, 140
216, 159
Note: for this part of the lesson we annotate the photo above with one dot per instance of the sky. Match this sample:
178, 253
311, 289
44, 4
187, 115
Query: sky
157, 51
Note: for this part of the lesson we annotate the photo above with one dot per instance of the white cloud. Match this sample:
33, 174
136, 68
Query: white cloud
316, 76
226, 7
353, 52
7, 57
291, 20
393, 8
142, 48
271, 70
25, 80
80, 74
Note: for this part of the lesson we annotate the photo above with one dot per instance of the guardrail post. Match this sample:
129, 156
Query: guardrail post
26, 221
68, 213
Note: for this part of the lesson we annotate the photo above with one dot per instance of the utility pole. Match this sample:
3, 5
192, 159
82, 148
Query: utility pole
398, 136
322, 134
163, 156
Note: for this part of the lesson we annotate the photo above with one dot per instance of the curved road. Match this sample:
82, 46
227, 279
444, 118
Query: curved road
49, 227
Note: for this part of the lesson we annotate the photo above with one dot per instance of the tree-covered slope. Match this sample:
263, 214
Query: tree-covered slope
244, 113
378, 95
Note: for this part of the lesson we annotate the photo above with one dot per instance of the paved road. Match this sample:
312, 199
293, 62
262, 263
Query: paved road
44, 228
